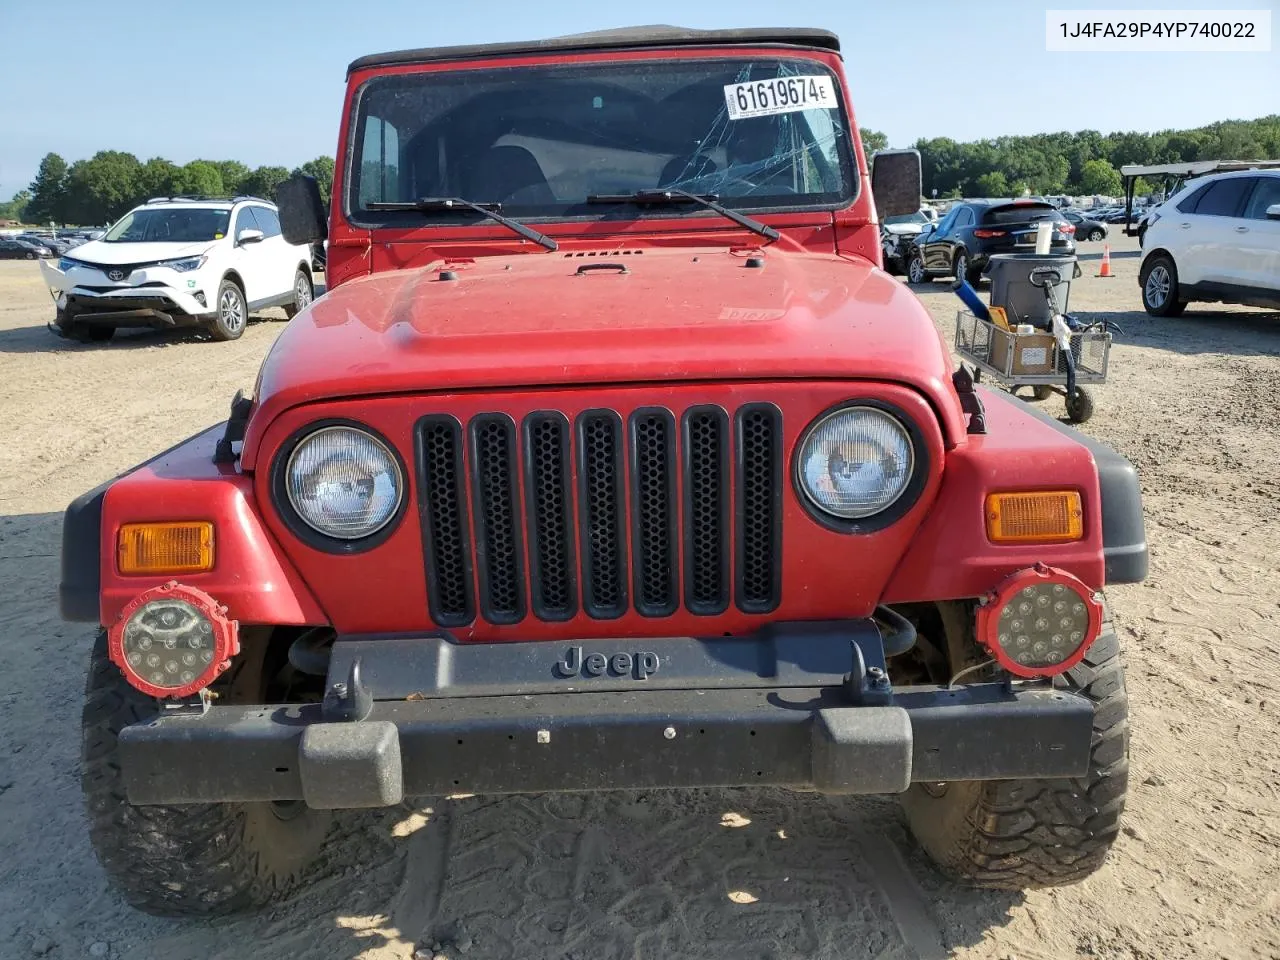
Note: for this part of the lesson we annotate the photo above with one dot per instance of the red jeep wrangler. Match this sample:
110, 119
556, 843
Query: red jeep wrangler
610, 459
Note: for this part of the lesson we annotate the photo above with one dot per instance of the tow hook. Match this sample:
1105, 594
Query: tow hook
348, 702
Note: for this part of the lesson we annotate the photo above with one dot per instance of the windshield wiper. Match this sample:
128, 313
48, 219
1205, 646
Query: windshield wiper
446, 204
672, 195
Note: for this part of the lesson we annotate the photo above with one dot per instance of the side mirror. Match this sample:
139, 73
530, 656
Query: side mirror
1273, 212
249, 235
896, 182
302, 216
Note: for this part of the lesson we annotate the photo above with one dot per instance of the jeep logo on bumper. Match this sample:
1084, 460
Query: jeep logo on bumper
640, 665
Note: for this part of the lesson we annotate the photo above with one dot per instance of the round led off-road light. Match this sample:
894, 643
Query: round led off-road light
855, 462
1039, 622
172, 640
343, 482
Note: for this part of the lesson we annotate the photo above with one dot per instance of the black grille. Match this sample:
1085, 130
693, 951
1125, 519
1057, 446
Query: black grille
706, 505
759, 507
603, 547
497, 529
706, 510
444, 527
549, 504
653, 511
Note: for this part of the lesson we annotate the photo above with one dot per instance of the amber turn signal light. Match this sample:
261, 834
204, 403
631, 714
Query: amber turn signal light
1040, 516
185, 547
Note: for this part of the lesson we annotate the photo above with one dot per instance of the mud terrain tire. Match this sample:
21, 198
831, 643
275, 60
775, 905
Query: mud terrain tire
1020, 834
194, 860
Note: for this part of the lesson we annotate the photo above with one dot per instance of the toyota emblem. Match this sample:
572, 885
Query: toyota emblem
116, 275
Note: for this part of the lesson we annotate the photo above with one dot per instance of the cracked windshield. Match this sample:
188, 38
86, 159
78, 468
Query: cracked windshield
541, 141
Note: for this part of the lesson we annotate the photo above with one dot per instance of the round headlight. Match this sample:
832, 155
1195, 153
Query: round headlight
344, 482
856, 462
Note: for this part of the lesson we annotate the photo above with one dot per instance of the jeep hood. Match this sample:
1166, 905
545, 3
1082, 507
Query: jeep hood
601, 316
111, 254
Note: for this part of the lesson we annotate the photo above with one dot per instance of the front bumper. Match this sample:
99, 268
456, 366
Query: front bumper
151, 297
801, 706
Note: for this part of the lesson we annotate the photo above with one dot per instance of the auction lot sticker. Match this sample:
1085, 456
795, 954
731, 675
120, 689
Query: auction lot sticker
1174, 31
764, 98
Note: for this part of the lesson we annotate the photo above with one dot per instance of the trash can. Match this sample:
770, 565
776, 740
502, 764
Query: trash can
1016, 280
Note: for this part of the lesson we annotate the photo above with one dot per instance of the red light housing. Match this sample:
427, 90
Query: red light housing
1039, 622
172, 640
1066, 228
987, 234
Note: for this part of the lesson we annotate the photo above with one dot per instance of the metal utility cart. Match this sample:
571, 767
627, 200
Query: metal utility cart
1035, 360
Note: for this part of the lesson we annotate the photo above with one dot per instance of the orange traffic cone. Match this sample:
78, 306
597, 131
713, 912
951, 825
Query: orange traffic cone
1105, 271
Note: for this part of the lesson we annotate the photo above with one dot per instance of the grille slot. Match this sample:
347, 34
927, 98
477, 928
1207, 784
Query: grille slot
604, 575
498, 546
706, 557
444, 527
653, 511
549, 505
759, 495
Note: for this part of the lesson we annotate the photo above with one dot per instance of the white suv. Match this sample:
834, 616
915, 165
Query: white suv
1218, 238
180, 262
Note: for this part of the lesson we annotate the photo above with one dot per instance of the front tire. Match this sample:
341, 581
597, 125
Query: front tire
1159, 279
183, 861
1020, 834
232, 314
1096, 235
915, 270
303, 294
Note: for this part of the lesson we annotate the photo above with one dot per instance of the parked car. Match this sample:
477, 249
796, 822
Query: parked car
1087, 228
896, 237
180, 263
53, 244
962, 241
1217, 239
14, 249
583, 495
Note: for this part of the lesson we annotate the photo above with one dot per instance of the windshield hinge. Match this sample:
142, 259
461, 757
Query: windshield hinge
970, 402
234, 432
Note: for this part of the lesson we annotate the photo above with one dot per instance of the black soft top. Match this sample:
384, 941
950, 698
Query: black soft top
627, 38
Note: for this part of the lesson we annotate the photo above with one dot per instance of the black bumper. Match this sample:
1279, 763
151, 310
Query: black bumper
759, 726
156, 312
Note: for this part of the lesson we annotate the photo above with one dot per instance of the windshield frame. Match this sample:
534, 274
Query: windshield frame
583, 213
144, 209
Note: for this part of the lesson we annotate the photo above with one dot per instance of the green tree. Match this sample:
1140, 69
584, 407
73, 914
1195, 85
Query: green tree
233, 173
873, 140
102, 188
263, 181
1099, 176
48, 191
16, 208
202, 179
322, 169
992, 184
157, 178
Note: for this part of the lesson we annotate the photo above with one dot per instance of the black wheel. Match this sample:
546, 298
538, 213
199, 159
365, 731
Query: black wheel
232, 314
1159, 279
1079, 406
915, 269
303, 294
191, 860
1041, 391
1095, 234
30, 255
1018, 834
961, 266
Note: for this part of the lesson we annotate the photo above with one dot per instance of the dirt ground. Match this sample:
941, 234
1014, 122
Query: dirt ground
715, 875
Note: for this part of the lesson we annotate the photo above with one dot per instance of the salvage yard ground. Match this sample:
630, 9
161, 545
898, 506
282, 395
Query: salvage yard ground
720, 875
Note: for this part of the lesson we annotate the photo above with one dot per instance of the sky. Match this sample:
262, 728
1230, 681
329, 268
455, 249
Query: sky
254, 81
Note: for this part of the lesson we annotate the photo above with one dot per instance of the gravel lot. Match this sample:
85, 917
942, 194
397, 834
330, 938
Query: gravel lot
723, 875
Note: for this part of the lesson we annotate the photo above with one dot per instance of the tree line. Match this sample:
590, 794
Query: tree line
1086, 162
101, 188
